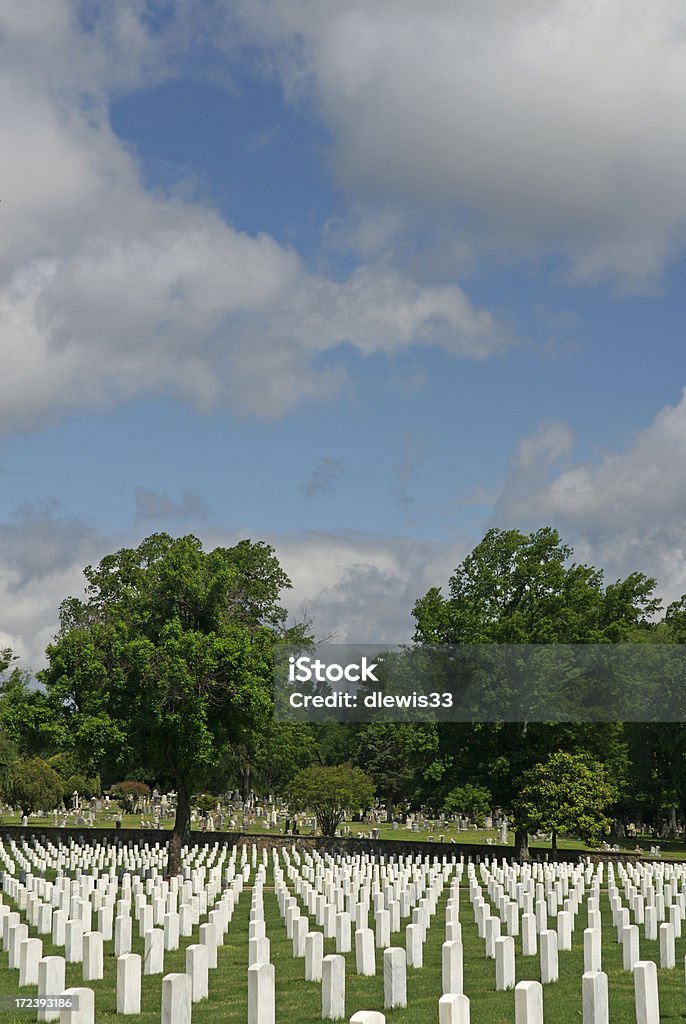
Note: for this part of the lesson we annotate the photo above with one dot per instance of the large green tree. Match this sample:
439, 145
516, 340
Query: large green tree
566, 793
167, 661
517, 588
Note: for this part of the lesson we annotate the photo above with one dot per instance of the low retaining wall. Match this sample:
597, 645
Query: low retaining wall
387, 848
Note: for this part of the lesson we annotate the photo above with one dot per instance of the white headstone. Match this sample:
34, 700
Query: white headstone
651, 924
122, 935
592, 950
208, 937
198, 970
594, 998
153, 955
343, 943
645, 993
528, 931
129, 983
382, 925
452, 968
259, 951
85, 1003
93, 958
314, 953
170, 922
453, 1009
394, 978
73, 945
51, 982
176, 999
529, 1002
667, 954
549, 958
59, 926
30, 952
365, 960
630, 955
333, 988
564, 930
504, 963
492, 935
414, 945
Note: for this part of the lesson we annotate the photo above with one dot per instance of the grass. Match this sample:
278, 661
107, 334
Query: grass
674, 849
300, 1001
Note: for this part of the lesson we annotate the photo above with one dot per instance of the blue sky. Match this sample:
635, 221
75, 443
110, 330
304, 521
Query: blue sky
359, 280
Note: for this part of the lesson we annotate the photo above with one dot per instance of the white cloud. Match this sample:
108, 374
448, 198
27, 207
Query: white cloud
360, 588
354, 587
108, 291
625, 512
42, 554
547, 125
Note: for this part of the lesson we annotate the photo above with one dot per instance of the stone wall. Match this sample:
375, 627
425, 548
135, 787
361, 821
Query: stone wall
377, 847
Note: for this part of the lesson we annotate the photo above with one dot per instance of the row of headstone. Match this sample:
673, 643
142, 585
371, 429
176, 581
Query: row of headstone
325, 896
78, 897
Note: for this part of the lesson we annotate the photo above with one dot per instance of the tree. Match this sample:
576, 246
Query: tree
68, 767
167, 662
565, 793
35, 786
9, 755
516, 588
281, 750
205, 803
397, 756
128, 794
28, 717
329, 792
469, 798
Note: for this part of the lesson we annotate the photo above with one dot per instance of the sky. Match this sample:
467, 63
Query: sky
358, 280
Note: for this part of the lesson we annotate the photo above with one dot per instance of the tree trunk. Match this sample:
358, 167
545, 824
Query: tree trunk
521, 844
389, 808
553, 839
181, 833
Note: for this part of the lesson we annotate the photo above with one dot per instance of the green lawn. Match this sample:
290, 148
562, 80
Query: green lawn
298, 1002
670, 849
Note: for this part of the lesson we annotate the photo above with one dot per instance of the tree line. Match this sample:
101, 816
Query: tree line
161, 672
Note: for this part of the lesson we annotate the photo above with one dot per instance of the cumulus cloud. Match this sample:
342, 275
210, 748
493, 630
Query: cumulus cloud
547, 125
323, 477
109, 292
42, 555
625, 512
352, 586
359, 588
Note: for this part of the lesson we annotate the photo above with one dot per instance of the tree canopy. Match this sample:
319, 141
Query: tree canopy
515, 588
167, 661
328, 791
161, 672
565, 793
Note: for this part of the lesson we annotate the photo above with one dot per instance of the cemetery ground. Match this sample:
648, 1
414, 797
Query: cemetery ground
670, 849
298, 1000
